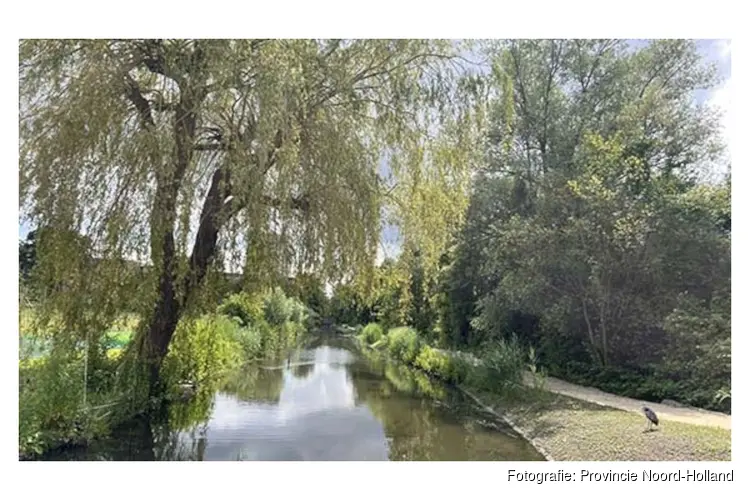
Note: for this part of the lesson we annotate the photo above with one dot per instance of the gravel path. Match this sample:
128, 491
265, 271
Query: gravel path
695, 416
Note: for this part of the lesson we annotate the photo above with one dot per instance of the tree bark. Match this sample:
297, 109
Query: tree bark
171, 300
170, 306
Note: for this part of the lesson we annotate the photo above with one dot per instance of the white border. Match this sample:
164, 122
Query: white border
465, 19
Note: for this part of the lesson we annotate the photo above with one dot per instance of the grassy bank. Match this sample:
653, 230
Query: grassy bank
561, 427
570, 429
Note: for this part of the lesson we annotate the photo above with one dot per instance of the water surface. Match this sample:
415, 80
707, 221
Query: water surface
324, 402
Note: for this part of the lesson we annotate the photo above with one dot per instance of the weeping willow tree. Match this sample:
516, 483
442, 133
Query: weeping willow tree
193, 156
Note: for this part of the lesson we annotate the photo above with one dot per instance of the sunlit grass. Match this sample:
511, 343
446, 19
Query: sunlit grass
570, 429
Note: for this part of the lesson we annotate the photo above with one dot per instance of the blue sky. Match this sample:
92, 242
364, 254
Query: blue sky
716, 51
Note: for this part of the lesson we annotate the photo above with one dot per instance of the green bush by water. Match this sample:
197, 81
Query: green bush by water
267, 322
506, 360
201, 349
278, 309
372, 333
500, 368
244, 307
52, 407
433, 362
51, 396
404, 344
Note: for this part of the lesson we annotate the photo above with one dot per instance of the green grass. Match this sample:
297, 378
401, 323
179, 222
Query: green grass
570, 429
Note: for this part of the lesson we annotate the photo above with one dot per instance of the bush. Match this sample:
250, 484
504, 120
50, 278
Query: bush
372, 333
277, 308
51, 410
201, 349
297, 311
435, 362
506, 360
243, 306
269, 337
267, 323
313, 320
291, 332
404, 344
502, 367
249, 338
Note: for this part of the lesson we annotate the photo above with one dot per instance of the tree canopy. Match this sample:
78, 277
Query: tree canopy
259, 153
598, 219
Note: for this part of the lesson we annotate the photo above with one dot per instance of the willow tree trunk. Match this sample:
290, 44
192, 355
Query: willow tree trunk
173, 295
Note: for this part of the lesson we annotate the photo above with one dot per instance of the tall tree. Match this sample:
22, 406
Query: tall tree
591, 146
195, 152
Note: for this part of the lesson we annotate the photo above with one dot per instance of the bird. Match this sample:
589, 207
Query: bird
651, 417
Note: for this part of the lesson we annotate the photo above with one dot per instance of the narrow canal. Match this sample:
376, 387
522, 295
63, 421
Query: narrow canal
326, 401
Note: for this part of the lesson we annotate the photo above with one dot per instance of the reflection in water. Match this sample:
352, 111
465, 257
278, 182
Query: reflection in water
315, 418
323, 403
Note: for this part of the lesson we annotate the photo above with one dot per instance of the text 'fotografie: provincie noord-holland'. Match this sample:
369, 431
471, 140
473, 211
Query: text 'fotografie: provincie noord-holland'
686, 475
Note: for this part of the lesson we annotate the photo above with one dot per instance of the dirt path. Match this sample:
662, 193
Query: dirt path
693, 416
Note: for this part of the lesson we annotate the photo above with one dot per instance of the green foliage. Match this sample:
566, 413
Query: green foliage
277, 308
586, 226
267, 322
372, 333
121, 333
203, 349
506, 360
699, 350
390, 296
349, 306
299, 114
422, 315
310, 291
52, 408
404, 344
292, 332
298, 312
438, 364
250, 338
245, 307
588, 221
538, 374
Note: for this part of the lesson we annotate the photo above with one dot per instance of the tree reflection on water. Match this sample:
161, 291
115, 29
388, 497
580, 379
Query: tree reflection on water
322, 403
